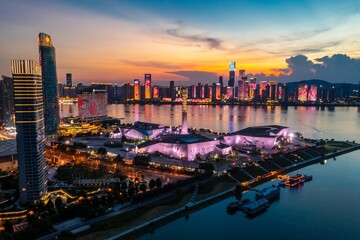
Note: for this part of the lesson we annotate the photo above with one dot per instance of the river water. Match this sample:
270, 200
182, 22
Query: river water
325, 208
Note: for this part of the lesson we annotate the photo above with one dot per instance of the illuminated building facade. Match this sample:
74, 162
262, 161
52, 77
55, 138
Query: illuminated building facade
184, 126
262, 88
273, 89
303, 92
230, 92
147, 86
246, 89
241, 90
156, 92
218, 91
312, 94
232, 72
136, 89
49, 77
92, 103
252, 88
29, 113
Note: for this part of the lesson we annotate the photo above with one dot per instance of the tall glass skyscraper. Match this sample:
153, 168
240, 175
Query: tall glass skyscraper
49, 78
29, 115
232, 70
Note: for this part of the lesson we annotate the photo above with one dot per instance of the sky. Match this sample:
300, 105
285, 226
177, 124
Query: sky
187, 41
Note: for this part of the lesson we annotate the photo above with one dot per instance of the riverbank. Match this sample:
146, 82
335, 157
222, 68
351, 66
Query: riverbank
148, 218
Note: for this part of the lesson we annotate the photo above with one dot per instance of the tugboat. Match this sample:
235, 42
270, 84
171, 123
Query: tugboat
254, 208
269, 193
234, 206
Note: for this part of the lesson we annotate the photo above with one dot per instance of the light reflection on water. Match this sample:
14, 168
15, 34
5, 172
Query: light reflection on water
325, 208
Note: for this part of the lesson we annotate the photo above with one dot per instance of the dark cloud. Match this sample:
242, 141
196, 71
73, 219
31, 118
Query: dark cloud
211, 42
197, 76
154, 64
337, 68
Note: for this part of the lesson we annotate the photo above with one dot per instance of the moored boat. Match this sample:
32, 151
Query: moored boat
269, 193
234, 206
256, 207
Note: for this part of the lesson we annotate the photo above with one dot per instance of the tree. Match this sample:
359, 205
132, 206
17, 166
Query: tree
131, 191
142, 187
102, 151
8, 227
50, 207
58, 203
103, 200
119, 158
95, 202
152, 184
206, 166
158, 182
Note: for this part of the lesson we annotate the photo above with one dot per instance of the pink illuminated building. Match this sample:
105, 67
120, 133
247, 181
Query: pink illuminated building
303, 92
312, 95
263, 137
92, 103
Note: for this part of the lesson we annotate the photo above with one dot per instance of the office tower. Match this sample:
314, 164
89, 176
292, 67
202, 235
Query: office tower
29, 112
60, 89
252, 88
218, 91
241, 92
49, 78
155, 92
221, 80
230, 92
303, 92
136, 89
232, 70
184, 126
172, 90
147, 86
312, 94
192, 91
92, 102
69, 79
7, 101
273, 88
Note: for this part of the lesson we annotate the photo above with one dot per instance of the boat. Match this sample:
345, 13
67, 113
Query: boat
308, 178
234, 206
269, 193
295, 180
256, 207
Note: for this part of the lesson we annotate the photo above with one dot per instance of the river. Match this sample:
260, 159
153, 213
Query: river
325, 208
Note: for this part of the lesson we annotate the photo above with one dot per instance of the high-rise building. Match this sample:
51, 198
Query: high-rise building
7, 101
69, 79
241, 90
147, 86
303, 92
136, 89
184, 126
92, 102
252, 88
155, 92
273, 89
172, 90
312, 94
29, 112
49, 78
232, 72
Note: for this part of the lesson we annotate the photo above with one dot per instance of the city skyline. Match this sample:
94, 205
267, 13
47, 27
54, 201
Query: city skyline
188, 42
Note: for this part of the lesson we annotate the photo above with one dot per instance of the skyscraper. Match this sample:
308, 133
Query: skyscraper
232, 71
136, 89
49, 78
172, 90
68, 79
147, 86
29, 113
7, 101
184, 95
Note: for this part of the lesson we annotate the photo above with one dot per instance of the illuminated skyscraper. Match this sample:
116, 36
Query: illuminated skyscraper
136, 89
240, 90
303, 92
147, 86
252, 87
7, 101
232, 71
184, 94
273, 89
49, 78
30, 137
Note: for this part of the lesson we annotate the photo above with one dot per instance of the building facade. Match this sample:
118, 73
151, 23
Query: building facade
49, 78
29, 113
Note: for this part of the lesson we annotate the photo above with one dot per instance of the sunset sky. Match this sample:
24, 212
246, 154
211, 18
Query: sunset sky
188, 41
